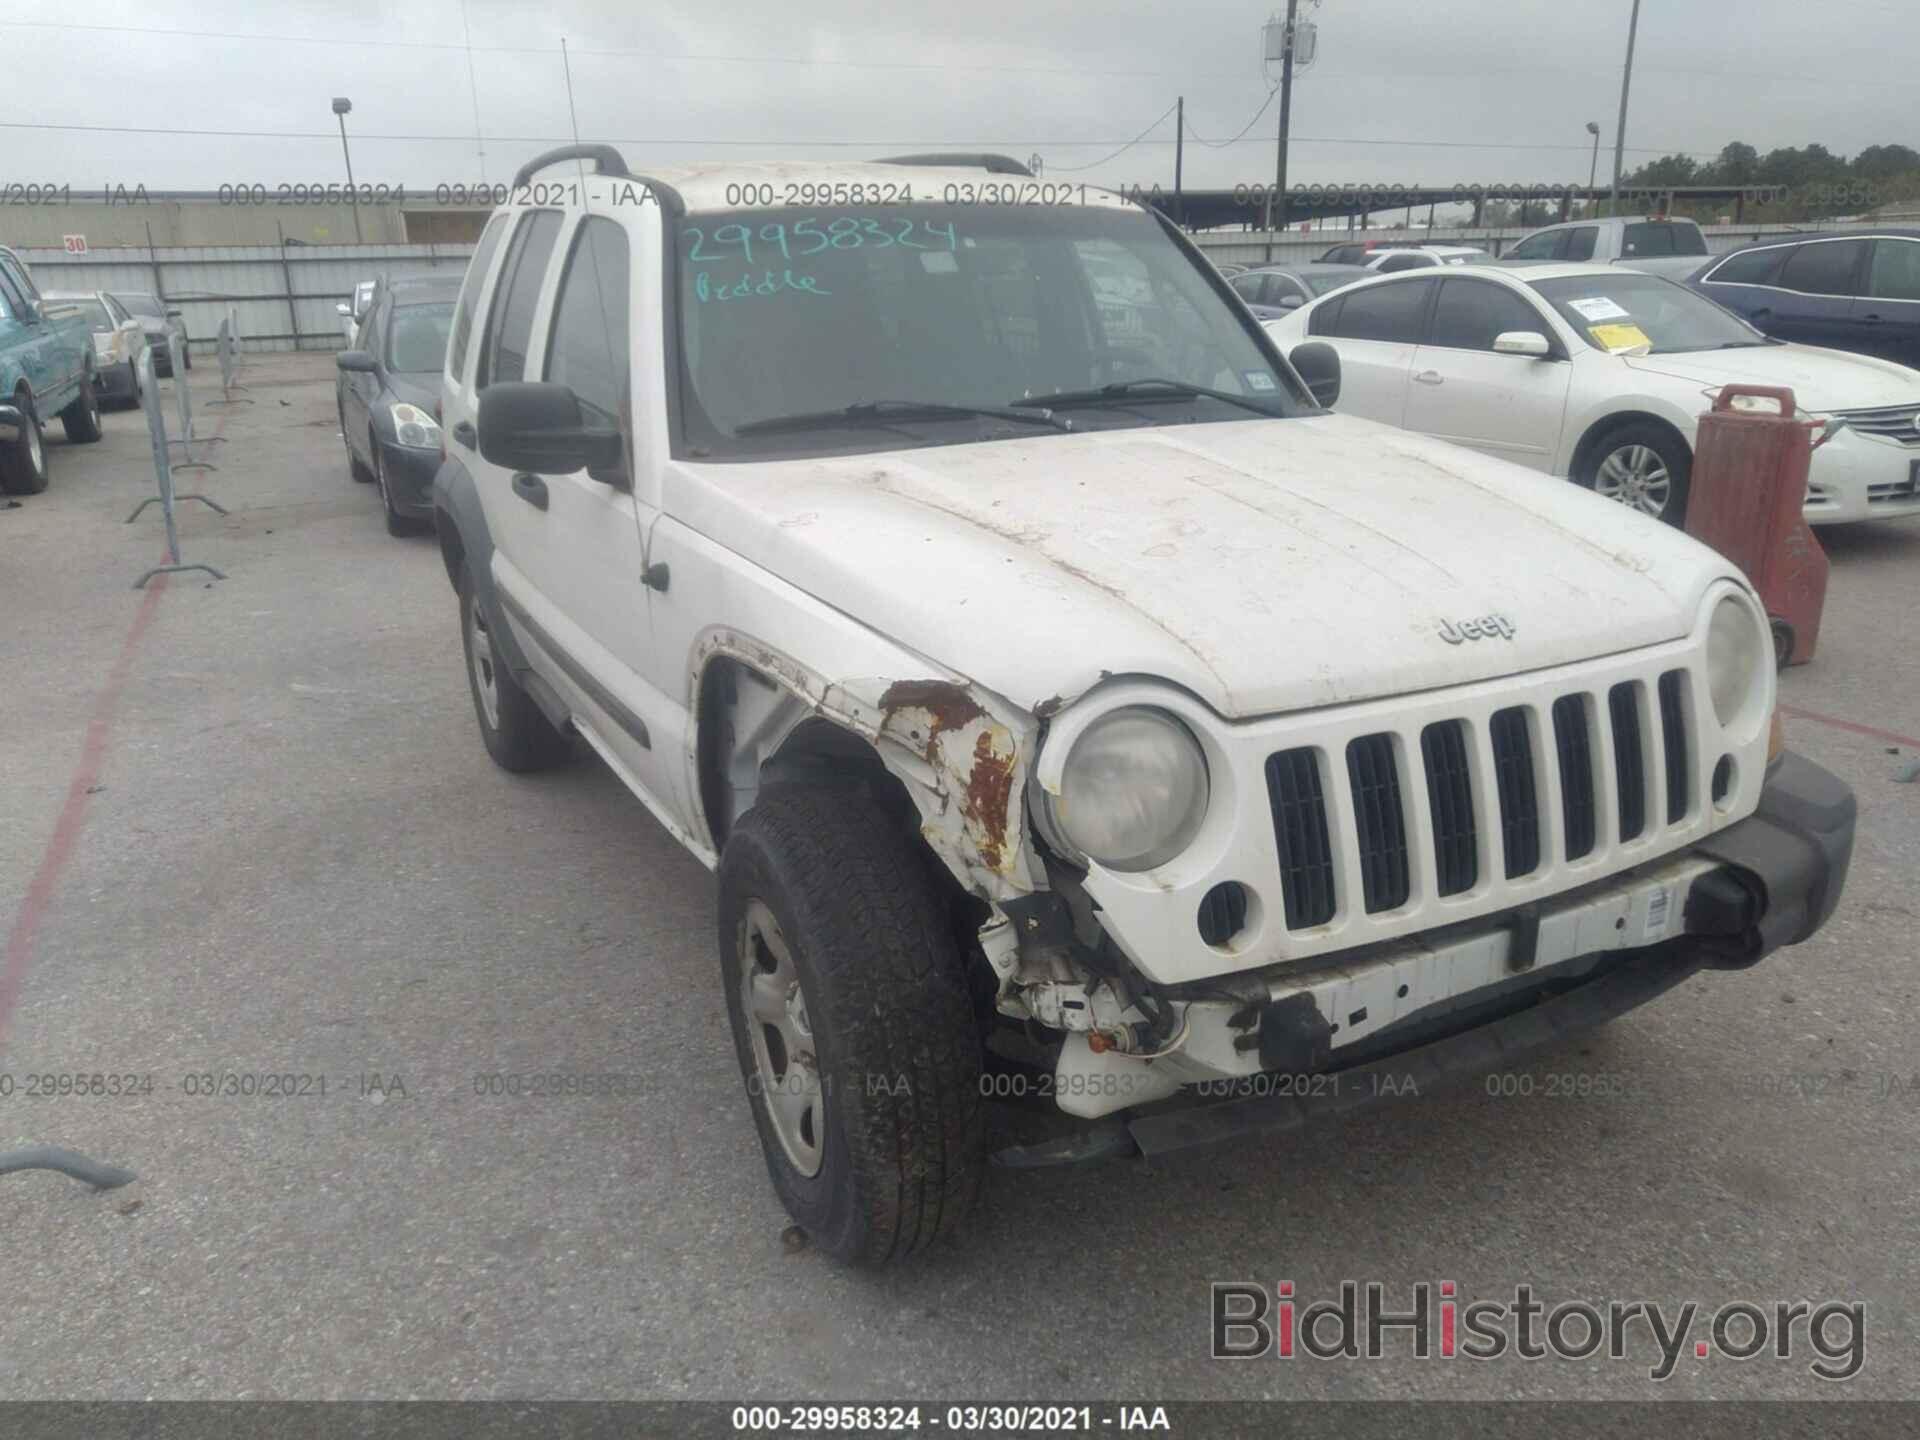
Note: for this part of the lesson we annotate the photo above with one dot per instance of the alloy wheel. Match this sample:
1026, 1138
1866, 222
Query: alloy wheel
1635, 475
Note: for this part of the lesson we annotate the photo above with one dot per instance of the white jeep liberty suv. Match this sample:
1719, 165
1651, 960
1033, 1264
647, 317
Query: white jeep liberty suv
1070, 702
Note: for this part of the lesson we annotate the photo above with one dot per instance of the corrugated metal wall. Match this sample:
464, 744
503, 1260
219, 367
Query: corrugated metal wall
202, 281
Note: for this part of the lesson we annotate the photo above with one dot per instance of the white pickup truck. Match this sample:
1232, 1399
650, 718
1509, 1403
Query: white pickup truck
1657, 245
1073, 706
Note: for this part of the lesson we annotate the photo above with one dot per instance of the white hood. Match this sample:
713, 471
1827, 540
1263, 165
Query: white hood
1266, 566
1822, 380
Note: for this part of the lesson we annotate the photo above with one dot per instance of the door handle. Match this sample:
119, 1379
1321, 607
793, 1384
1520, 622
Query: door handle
1763, 313
1871, 320
1429, 377
532, 489
465, 434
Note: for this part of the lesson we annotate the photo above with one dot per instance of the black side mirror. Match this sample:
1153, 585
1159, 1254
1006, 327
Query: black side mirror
537, 427
1319, 365
358, 361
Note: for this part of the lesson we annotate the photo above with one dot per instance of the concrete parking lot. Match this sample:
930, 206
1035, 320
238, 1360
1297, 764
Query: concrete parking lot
249, 828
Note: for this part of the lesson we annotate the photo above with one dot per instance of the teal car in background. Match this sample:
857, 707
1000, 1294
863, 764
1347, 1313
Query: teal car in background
46, 369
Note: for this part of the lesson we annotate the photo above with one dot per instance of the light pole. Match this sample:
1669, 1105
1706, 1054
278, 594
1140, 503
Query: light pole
1626, 81
1593, 170
341, 105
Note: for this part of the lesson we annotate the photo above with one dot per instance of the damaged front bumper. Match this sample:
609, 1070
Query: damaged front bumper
1405, 1016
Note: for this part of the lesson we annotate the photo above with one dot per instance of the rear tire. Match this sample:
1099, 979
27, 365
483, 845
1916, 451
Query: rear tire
851, 1014
23, 461
81, 419
516, 731
1643, 466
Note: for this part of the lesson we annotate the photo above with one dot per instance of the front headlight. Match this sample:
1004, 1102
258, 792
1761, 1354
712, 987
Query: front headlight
1739, 650
415, 428
1133, 791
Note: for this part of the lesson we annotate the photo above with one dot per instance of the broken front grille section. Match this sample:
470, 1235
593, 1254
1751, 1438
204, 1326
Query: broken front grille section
1575, 749
1300, 825
1378, 857
1379, 822
1519, 804
1456, 845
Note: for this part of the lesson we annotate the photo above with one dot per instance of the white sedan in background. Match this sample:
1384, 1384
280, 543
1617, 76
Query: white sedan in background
1601, 374
118, 343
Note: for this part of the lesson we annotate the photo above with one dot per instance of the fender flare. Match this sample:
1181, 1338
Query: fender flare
460, 523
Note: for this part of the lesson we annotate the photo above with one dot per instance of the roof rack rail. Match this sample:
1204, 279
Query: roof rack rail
607, 160
992, 164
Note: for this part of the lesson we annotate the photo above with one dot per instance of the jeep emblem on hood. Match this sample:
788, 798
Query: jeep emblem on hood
1483, 628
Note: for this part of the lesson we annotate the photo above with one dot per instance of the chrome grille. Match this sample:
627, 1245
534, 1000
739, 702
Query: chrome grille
1892, 422
1393, 817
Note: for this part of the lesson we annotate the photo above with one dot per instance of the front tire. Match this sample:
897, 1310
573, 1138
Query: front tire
399, 526
515, 731
81, 419
853, 1024
1643, 466
23, 460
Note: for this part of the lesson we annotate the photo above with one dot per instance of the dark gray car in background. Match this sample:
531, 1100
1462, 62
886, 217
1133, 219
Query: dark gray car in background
388, 391
1272, 290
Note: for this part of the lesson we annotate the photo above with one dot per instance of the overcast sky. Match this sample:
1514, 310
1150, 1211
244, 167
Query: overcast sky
1469, 91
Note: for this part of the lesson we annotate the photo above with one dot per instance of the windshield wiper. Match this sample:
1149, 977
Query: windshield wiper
1122, 389
888, 411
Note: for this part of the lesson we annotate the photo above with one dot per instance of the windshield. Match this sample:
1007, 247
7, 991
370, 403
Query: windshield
417, 338
1627, 313
93, 310
795, 312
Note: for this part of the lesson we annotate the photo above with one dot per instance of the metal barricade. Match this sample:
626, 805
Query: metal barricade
163, 475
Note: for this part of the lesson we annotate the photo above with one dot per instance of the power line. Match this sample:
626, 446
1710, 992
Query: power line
628, 53
766, 144
1070, 169
1222, 144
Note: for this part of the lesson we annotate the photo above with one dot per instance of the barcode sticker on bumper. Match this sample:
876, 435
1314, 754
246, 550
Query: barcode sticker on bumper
1657, 908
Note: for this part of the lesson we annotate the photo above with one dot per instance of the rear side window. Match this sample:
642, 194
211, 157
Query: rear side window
1647, 241
1755, 267
1390, 313
1405, 262
1896, 270
1580, 242
1825, 268
470, 293
503, 355
588, 349
1548, 245
1247, 287
1470, 314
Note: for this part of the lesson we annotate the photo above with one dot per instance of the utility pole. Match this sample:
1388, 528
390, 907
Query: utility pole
1620, 138
341, 105
1179, 146
1277, 205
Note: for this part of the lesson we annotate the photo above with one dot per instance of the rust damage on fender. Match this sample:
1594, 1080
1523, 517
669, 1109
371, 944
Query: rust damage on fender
989, 788
975, 758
